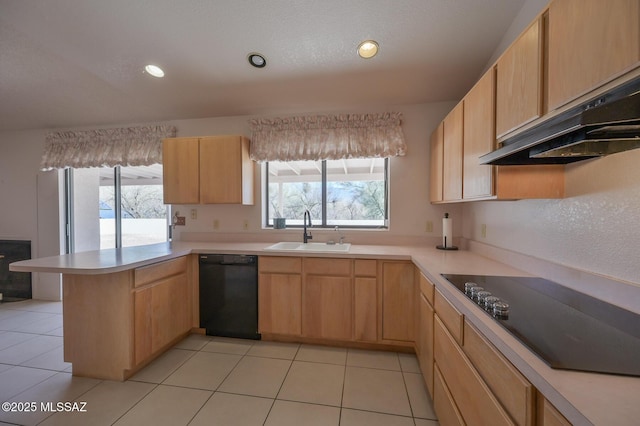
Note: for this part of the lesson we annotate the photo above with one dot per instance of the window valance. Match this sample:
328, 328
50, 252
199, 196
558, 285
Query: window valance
327, 137
131, 146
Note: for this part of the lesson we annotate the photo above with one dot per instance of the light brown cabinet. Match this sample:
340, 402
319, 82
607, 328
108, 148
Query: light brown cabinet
398, 301
590, 42
207, 170
548, 415
452, 154
280, 295
519, 81
424, 338
365, 300
436, 163
327, 298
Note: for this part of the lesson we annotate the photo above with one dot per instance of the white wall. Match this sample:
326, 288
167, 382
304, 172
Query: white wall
29, 208
409, 177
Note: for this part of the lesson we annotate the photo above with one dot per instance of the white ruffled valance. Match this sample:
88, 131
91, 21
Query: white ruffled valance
327, 137
131, 146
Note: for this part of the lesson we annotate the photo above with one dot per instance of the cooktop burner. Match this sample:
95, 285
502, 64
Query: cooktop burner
567, 329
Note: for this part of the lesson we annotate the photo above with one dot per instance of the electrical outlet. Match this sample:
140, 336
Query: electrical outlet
429, 227
194, 214
245, 224
216, 224
483, 230
180, 221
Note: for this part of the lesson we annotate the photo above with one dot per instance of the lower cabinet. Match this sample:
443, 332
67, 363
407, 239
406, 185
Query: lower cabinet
161, 309
337, 299
398, 301
424, 338
280, 295
161, 315
548, 415
327, 298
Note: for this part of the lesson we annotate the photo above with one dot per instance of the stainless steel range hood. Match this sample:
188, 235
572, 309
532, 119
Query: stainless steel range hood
603, 125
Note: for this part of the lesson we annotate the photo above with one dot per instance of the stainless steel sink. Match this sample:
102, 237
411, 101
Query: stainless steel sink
310, 247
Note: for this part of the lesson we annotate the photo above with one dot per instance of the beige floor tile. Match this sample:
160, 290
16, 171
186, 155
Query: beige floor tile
286, 413
52, 360
61, 387
256, 376
313, 382
166, 405
18, 379
105, 403
10, 338
228, 346
424, 422
233, 410
367, 418
55, 332
325, 354
409, 363
375, 390
373, 359
17, 354
163, 366
418, 396
204, 370
274, 350
21, 318
41, 326
193, 342
4, 367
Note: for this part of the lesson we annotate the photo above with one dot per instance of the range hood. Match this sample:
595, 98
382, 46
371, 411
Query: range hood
606, 124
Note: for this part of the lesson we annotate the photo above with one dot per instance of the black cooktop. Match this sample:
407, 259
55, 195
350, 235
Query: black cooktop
567, 329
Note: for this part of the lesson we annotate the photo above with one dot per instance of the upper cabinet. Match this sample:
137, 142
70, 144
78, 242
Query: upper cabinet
590, 43
519, 81
479, 137
452, 154
436, 159
207, 170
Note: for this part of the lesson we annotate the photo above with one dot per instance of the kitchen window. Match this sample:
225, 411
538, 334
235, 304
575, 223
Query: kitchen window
350, 193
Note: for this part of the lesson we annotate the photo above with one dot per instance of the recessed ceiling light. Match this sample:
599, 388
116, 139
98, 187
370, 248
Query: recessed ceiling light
368, 49
154, 70
257, 60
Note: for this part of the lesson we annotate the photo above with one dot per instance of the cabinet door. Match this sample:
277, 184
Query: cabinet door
180, 171
366, 309
479, 137
142, 324
327, 308
425, 341
398, 301
519, 81
436, 163
279, 303
224, 164
590, 42
170, 317
452, 154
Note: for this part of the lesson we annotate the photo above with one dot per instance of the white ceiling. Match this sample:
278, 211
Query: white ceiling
75, 63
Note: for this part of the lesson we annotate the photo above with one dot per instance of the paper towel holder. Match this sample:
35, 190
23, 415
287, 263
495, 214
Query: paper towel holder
445, 246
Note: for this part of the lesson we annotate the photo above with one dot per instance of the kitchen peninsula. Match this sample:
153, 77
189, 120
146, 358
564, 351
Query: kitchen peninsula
106, 336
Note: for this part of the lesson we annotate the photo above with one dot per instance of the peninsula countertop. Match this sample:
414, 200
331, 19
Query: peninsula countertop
584, 398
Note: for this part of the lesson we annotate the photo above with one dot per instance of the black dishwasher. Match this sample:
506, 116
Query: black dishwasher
229, 295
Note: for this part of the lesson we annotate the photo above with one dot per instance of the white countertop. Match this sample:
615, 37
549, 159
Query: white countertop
583, 398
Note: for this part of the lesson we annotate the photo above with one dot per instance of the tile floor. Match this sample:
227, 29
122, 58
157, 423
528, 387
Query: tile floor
208, 381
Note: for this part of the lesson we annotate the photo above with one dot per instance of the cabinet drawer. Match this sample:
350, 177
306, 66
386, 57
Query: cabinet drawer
443, 402
426, 288
366, 268
283, 265
324, 266
514, 392
151, 273
449, 315
472, 396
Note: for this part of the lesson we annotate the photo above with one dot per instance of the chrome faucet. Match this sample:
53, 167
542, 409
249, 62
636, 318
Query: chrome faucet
337, 229
307, 236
